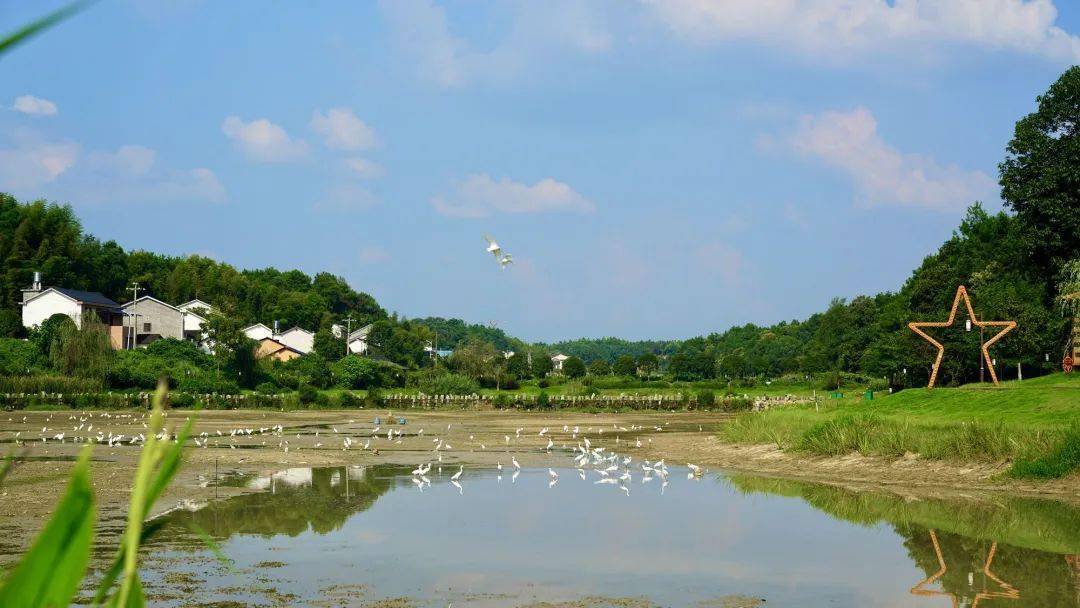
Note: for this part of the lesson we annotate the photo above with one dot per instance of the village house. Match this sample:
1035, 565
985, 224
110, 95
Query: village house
150, 319
298, 339
269, 348
357, 340
557, 362
258, 332
39, 304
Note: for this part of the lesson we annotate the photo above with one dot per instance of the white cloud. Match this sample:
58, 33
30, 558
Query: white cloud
262, 140
342, 130
363, 168
131, 173
480, 196
30, 162
538, 31
849, 142
35, 106
346, 198
844, 29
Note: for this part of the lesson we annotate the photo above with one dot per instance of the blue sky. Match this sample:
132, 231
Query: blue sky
657, 168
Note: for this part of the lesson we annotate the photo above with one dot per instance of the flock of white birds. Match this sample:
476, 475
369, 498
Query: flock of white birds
602, 465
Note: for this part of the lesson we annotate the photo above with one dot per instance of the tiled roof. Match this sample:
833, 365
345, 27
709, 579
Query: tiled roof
87, 297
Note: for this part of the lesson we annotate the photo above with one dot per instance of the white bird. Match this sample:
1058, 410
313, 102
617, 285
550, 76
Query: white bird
695, 470
493, 247
457, 475
505, 261
513, 460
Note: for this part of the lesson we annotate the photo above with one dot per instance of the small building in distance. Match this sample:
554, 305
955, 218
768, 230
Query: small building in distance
557, 361
258, 332
298, 339
357, 340
150, 319
269, 348
39, 304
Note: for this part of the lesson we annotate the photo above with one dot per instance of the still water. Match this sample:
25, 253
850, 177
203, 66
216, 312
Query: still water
360, 535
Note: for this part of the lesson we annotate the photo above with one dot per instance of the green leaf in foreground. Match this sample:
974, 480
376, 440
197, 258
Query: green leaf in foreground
9, 41
50, 573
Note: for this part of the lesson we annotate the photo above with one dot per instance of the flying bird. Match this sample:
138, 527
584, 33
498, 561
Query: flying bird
493, 247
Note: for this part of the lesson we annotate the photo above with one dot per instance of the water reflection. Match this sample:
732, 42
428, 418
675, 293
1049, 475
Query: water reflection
793, 543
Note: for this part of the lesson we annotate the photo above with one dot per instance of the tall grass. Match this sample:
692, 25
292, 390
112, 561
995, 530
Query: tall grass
1060, 460
50, 573
1038, 452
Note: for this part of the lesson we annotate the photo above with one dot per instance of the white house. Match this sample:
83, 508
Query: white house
39, 304
299, 339
258, 331
358, 340
195, 313
558, 360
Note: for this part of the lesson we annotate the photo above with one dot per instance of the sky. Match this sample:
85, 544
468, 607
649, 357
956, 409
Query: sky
657, 168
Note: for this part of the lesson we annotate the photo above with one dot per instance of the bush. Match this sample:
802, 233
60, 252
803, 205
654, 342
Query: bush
268, 388
448, 384
348, 400
542, 401
207, 383
543, 383
307, 394
171, 349
706, 398
48, 384
508, 382
18, 357
374, 398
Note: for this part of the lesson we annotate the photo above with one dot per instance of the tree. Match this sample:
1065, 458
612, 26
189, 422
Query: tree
1040, 176
84, 352
624, 366
648, 364
573, 367
477, 359
518, 365
234, 352
599, 368
541, 364
327, 346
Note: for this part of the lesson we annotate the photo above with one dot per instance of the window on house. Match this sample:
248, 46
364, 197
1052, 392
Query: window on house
146, 328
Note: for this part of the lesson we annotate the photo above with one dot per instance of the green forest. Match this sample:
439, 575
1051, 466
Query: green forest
1016, 263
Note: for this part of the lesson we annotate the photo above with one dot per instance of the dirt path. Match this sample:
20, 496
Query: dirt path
316, 438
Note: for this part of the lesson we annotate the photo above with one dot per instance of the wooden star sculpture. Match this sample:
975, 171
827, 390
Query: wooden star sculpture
961, 292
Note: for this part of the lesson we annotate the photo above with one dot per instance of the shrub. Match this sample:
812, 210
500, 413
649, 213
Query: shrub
374, 398
542, 401
207, 383
268, 388
349, 400
573, 367
355, 372
448, 384
171, 349
307, 394
508, 382
18, 357
543, 383
706, 398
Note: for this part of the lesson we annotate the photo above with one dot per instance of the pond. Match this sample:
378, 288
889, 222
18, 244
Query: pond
374, 536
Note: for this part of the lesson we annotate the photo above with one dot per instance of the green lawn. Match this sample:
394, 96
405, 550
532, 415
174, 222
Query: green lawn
1036, 422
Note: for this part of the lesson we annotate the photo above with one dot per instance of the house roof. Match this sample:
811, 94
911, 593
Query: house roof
360, 334
292, 329
254, 325
560, 357
91, 298
281, 344
152, 299
196, 303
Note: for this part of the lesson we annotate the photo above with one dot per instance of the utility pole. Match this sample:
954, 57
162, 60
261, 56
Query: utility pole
134, 289
348, 331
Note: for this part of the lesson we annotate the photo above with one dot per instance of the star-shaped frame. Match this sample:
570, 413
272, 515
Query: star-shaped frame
961, 292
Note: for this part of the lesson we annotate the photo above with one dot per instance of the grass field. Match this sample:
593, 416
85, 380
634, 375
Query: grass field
1035, 423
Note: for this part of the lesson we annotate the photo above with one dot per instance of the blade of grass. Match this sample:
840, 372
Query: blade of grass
20, 35
49, 574
158, 463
